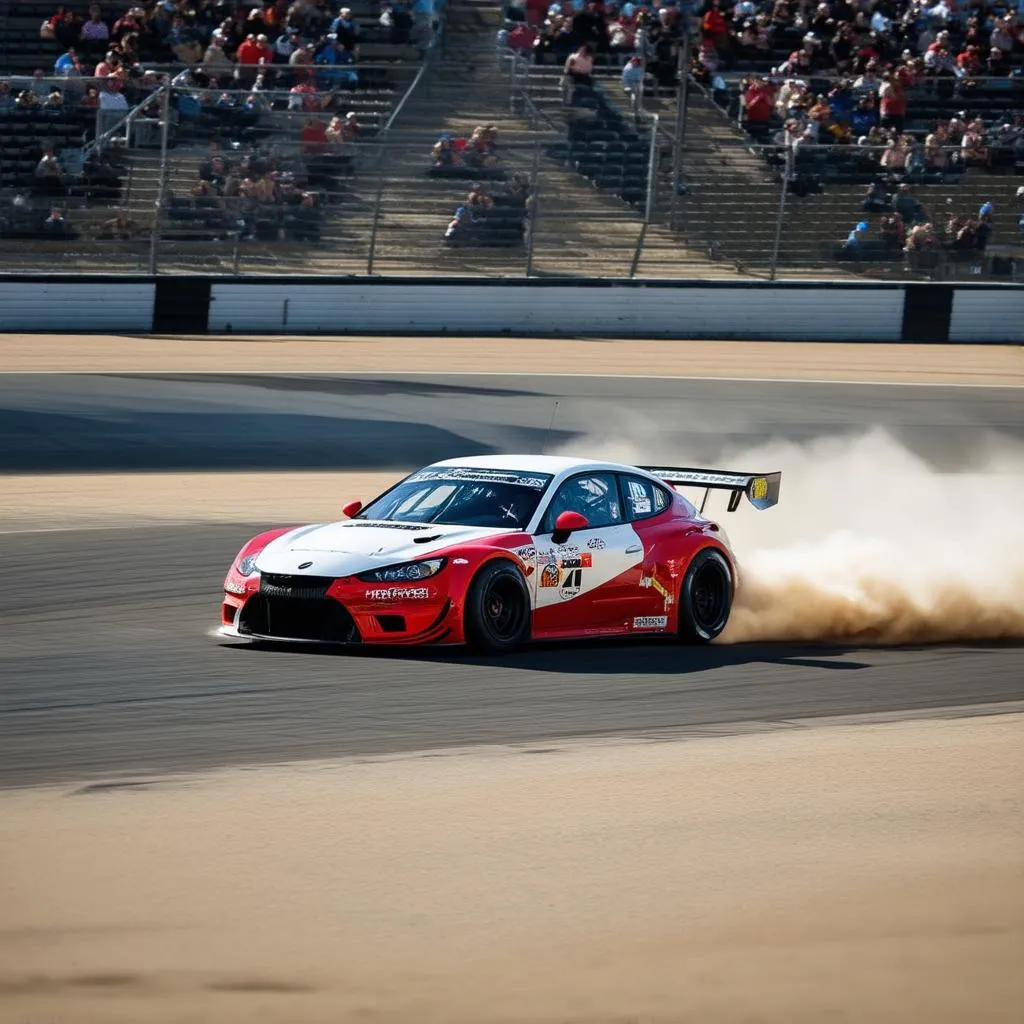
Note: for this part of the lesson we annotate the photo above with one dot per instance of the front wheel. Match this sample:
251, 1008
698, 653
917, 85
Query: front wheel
497, 614
705, 598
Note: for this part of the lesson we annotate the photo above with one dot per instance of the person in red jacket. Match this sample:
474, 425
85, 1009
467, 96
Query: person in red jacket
758, 105
892, 98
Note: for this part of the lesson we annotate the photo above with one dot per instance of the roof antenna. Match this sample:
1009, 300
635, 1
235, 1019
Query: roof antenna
544, 446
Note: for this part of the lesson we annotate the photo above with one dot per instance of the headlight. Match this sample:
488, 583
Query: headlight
247, 566
409, 572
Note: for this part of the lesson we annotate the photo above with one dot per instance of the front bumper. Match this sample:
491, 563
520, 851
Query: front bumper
345, 612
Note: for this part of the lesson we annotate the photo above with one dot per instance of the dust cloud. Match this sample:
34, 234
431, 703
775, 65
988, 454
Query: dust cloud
871, 545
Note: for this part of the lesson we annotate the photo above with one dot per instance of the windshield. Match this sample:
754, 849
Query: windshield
462, 496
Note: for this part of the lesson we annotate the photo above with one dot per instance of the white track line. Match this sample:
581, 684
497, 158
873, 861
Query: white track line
306, 372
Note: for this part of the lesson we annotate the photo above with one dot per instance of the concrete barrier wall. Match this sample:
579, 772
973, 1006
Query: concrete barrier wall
813, 311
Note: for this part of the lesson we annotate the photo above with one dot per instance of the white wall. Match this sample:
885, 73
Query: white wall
55, 306
868, 313
989, 314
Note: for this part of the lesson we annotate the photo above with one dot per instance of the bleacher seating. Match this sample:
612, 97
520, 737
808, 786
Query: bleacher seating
606, 147
203, 109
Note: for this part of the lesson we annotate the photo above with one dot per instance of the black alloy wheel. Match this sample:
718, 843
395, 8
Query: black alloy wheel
705, 597
497, 613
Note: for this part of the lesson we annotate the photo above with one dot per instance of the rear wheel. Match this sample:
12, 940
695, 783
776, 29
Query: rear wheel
705, 598
497, 613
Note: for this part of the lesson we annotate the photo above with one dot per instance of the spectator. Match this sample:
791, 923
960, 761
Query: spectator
110, 65
855, 240
111, 96
893, 234
350, 127
314, 137
1020, 218
633, 78
62, 28
65, 62
983, 231
304, 96
7, 98
346, 30
56, 226
910, 210
217, 64
520, 39
876, 199
578, 72
95, 30
284, 46
892, 98
758, 103
444, 153
48, 174
120, 228
40, 87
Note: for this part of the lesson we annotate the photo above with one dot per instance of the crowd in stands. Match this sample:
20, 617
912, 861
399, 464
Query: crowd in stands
235, 63
492, 215
267, 194
474, 157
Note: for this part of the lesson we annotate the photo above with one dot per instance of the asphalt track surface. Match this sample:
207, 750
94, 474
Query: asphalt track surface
107, 668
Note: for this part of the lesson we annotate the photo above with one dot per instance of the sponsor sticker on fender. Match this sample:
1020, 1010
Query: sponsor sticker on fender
650, 622
648, 582
398, 594
549, 576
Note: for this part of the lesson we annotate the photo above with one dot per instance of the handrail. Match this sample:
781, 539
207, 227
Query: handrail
91, 147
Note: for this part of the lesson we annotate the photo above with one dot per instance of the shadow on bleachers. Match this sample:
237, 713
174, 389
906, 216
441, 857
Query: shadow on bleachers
606, 147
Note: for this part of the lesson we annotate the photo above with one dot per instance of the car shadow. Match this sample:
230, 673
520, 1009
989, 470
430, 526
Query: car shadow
647, 656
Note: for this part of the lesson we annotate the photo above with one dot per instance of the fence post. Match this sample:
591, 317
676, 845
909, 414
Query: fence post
376, 211
165, 128
682, 93
786, 173
534, 207
652, 171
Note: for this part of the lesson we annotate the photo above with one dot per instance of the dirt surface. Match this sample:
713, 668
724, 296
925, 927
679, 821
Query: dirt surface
957, 364
861, 873
79, 500
856, 873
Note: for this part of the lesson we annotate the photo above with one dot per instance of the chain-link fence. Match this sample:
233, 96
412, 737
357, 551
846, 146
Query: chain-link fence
237, 182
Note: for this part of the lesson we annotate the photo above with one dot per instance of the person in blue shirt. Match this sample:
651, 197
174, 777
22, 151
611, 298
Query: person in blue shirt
633, 75
856, 237
335, 66
864, 117
66, 62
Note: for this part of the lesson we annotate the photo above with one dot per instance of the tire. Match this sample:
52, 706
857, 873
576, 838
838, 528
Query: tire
705, 597
496, 618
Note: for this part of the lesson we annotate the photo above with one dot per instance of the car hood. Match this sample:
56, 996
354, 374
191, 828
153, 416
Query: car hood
359, 545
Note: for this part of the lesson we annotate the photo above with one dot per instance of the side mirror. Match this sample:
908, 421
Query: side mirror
351, 509
566, 524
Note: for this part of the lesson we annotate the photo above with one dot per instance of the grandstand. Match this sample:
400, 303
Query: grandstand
756, 176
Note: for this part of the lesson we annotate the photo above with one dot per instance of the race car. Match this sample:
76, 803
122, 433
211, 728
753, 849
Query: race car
496, 551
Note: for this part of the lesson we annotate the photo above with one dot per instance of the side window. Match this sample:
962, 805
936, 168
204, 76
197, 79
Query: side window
594, 495
644, 498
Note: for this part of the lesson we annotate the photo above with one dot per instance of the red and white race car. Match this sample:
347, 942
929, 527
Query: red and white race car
494, 551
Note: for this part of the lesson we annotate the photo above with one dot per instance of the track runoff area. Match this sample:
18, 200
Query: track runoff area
807, 786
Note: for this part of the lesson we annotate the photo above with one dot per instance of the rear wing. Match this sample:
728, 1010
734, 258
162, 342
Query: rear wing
762, 490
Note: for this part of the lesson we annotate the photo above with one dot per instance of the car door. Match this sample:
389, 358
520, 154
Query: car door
581, 584
646, 506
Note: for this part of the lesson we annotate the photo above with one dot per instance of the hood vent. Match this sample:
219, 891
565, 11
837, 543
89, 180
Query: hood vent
382, 525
